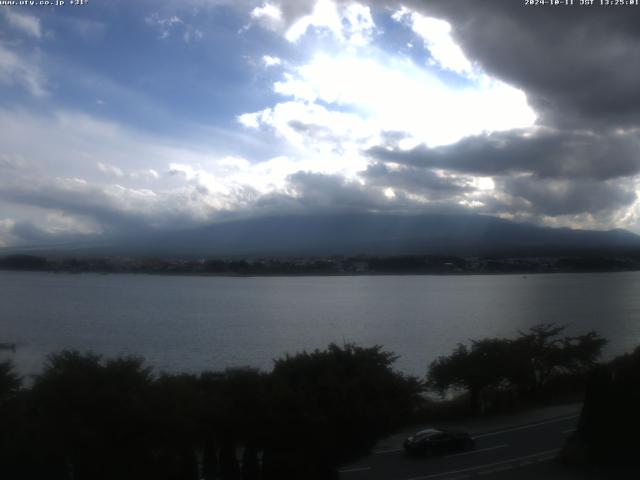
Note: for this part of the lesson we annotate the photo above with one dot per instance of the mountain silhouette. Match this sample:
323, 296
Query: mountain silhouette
368, 234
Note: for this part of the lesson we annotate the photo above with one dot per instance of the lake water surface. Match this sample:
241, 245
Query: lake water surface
181, 323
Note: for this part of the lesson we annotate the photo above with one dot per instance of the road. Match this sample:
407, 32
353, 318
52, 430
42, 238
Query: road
498, 452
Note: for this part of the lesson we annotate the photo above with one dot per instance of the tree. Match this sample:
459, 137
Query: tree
541, 355
92, 417
232, 415
10, 382
610, 418
526, 364
10, 418
485, 363
329, 407
174, 406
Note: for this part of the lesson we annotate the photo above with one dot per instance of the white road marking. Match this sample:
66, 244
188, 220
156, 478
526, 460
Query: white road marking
524, 427
351, 470
477, 451
571, 430
487, 465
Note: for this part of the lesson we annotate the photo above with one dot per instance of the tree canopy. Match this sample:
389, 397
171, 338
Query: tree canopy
91, 418
525, 364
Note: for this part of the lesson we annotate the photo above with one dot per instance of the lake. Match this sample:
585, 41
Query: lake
182, 323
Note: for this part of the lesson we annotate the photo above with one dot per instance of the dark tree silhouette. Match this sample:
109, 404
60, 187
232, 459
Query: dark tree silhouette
541, 354
86, 418
526, 364
610, 418
233, 416
10, 382
174, 405
11, 417
92, 417
331, 406
474, 368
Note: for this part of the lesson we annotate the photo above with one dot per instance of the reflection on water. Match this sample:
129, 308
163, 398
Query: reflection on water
196, 323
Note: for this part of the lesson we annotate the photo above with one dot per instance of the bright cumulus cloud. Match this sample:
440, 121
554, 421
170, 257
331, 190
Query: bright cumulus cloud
341, 101
349, 100
351, 95
436, 35
350, 23
394, 94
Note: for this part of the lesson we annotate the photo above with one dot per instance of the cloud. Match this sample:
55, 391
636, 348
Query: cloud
114, 208
167, 25
309, 126
569, 197
538, 174
544, 152
415, 103
505, 111
164, 25
268, 15
27, 23
6, 236
349, 23
473, 145
325, 193
56, 227
576, 64
436, 36
270, 61
126, 182
80, 150
110, 169
17, 70
427, 183
333, 193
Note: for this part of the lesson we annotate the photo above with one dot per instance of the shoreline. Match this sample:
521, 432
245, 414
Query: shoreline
316, 274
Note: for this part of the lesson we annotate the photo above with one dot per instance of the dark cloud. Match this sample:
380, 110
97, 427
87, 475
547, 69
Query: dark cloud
415, 180
322, 193
577, 64
579, 67
548, 154
566, 197
317, 132
29, 233
83, 200
316, 190
115, 209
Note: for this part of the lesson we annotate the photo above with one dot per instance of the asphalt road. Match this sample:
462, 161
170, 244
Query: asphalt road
496, 453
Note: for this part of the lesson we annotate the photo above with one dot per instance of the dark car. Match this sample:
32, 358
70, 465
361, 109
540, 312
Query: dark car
438, 442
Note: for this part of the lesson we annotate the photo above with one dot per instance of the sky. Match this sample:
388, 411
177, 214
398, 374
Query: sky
120, 117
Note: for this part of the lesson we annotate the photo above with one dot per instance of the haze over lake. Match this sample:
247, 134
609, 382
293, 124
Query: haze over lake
181, 323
